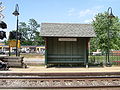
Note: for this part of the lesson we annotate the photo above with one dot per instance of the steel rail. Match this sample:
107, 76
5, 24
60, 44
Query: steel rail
7, 73
57, 77
59, 80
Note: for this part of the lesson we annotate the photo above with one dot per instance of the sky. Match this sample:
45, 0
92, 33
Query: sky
56, 11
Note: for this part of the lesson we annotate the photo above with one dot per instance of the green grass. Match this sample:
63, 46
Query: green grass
32, 55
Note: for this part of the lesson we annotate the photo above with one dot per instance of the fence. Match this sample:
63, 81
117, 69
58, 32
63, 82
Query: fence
114, 58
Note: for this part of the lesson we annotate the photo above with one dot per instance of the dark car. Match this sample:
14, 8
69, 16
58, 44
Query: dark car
2, 52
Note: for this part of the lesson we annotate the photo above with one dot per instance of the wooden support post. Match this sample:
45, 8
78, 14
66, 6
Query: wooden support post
87, 51
46, 45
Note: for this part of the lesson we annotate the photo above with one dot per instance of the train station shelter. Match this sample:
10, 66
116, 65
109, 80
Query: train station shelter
66, 43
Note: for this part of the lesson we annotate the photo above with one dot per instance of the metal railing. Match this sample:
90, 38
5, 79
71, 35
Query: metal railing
102, 58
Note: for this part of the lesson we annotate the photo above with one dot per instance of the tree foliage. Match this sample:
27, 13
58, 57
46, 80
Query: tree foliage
30, 33
101, 26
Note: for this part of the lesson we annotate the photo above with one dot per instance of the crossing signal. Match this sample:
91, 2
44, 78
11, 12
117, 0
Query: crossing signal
3, 25
2, 35
12, 35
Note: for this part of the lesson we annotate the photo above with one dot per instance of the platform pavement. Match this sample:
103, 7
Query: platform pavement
43, 69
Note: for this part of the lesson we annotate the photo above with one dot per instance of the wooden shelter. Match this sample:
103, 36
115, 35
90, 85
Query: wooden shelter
66, 43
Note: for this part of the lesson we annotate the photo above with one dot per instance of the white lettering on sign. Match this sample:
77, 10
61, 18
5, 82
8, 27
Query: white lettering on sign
67, 39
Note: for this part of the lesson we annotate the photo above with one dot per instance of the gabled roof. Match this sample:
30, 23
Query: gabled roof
66, 30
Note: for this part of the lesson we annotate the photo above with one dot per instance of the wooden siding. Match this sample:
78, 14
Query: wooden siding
66, 51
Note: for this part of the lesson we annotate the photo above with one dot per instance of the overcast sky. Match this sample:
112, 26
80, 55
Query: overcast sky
60, 11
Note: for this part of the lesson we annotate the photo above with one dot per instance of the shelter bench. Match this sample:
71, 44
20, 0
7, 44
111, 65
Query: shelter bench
65, 59
53, 56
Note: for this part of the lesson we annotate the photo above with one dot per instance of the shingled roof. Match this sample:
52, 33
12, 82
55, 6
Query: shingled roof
66, 30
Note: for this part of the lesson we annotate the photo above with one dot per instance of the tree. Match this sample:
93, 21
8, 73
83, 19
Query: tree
5, 42
101, 26
30, 33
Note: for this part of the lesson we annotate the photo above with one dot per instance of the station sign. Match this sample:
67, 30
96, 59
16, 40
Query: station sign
67, 39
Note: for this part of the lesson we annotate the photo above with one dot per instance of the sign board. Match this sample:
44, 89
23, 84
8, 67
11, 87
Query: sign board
67, 39
12, 43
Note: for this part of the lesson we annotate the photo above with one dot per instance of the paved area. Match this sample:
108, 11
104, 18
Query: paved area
43, 69
34, 61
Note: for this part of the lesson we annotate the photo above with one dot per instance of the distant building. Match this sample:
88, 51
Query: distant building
115, 52
24, 49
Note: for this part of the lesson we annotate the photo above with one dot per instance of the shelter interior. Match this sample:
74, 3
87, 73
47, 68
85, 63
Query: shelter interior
60, 51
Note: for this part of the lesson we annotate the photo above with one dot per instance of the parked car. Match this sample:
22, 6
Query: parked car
96, 53
1, 52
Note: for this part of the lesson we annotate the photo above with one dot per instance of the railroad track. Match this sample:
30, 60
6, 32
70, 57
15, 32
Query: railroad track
59, 80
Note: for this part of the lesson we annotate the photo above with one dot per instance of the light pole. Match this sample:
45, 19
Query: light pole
110, 16
16, 13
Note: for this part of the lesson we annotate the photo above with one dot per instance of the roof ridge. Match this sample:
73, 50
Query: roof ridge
67, 30
66, 23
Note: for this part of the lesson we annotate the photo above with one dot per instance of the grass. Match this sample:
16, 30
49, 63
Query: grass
31, 55
37, 65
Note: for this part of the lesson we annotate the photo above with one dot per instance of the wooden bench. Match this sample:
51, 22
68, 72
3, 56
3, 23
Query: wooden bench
65, 56
65, 59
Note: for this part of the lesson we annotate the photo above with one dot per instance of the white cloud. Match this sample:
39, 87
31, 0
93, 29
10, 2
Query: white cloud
89, 12
85, 12
84, 15
88, 21
71, 12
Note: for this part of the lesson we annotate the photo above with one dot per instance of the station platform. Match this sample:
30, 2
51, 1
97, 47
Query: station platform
43, 69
